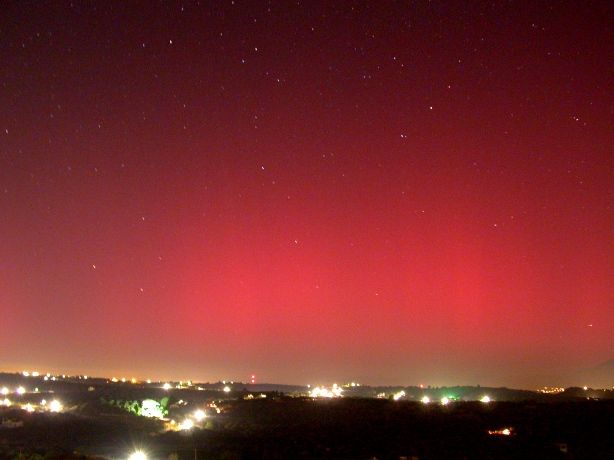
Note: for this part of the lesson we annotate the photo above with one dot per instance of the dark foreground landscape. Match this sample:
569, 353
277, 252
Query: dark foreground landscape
99, 419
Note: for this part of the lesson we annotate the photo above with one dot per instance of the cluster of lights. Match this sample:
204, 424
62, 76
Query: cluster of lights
186, 425
485, 399
551, 390
502, 432
323, 392
53, 406
189, 422
425, 399
398, 395
30, 374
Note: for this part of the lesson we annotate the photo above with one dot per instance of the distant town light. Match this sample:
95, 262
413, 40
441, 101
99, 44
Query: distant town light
28, 407
199, 415
425, 400
585, 388
137, 455
4, 391
485, 399
445, 401
398, 395
502, 432
151, 408
55, 406
323, 392
20, 390
26, 374
6, 402
226, 389
167, 386
187, 424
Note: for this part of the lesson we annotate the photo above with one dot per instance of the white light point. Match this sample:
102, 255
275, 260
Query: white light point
445, 401
167, 386
485, 399
398, 395
199, 415
425, 400
55, 406
187, 424
4, 391
20, 390
137, 455
28, 407
226, 389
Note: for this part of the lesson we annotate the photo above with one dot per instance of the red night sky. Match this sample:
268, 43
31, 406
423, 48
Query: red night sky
387, 192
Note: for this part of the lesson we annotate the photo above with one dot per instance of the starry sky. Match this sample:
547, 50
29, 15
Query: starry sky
310, 191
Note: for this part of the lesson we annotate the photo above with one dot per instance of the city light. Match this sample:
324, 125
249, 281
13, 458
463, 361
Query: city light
151, 408
199, 415
551, 390
167, 386
485, 399
425, 400
4, 391
398, 395
187, 424
323, 392
5, 402
28, 407
445, 401
226, 389
20, 390
137, 455
502, 432
55, 406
